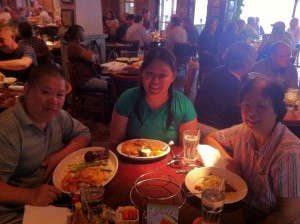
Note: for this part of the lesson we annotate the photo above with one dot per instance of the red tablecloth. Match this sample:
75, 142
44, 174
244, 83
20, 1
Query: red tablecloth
118, 190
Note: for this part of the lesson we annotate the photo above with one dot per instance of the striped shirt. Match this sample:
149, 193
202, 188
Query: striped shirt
272, 171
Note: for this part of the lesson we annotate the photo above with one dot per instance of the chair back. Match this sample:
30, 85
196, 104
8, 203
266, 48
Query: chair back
193, 67
183, 53
120, 83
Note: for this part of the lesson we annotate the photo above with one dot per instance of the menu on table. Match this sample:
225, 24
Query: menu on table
162, 214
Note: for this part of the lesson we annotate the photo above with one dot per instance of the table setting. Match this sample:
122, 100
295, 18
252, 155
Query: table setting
141, 178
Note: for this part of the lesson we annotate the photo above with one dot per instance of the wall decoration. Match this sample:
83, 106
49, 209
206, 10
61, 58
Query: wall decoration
67, 17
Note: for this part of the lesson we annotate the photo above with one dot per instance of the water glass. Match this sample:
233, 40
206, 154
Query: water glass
190, 146
212, 202
92, 199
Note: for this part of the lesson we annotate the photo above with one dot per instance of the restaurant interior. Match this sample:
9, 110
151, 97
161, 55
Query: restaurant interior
160, 188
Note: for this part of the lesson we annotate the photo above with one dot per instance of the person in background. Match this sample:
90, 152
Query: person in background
250, 30
123, 17
208, 48
278, 66
122, 30
138, 32
39, 45
176, 35
191, 30
154, 110
15, 60
83, 62
35, 135
265, 153
240, 28
230, 36
258, 27
110, 26
217, 100
54, 19
4, 15
16, 18
294, 29
43, 16
146, 22
170, 24
278, 34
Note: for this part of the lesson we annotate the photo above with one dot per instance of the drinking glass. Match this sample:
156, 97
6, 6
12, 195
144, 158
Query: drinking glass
212, 202
92, 199
190, 145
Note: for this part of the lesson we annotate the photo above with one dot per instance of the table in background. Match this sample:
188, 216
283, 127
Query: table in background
8, 98
114, 48
118, 189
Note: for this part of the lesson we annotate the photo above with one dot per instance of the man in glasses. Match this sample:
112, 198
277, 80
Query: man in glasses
278, 65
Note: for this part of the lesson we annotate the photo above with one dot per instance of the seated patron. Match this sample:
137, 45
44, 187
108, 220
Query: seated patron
154, 110
16, 17
83, 62
217, 100
250, 30
138, 32
15, 60
294, 29
191, 30
176, 35
277, 65
110, 26
146, 21
265, 153
35, 135
40, 47
122, 29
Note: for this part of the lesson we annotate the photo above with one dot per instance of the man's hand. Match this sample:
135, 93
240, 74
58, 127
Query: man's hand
44, 195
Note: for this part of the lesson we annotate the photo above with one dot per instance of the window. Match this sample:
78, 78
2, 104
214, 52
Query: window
128, 6
166, 9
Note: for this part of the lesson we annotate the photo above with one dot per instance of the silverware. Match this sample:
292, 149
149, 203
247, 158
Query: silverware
168, 145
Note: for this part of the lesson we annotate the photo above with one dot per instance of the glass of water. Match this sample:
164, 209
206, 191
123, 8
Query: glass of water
190, 145
212, 202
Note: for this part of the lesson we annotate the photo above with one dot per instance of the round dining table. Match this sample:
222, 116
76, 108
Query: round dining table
117, 191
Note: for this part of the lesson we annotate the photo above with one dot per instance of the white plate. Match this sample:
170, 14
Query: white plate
233, 179
78, 157
152, 141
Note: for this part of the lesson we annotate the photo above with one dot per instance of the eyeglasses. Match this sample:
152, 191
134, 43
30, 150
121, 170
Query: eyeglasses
245, 106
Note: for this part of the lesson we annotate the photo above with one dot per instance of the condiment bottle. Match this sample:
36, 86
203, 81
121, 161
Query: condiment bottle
78, 217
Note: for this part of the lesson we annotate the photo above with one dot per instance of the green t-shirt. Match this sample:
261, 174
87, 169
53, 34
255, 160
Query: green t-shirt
154, 122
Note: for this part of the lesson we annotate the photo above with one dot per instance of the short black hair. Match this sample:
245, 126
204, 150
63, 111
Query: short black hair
270, 88
25, 30
130, 17
138, 18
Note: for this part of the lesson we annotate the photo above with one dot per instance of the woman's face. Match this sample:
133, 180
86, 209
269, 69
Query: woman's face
258, 113
157, 78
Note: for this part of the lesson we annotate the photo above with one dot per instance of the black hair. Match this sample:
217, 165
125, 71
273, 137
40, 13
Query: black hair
175, 21
72, 32
25, 29
138, 18
130, 17
165, 55
270, 88
43, 70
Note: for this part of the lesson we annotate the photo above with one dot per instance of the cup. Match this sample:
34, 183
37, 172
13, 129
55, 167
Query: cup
212, 202
92, 199
190, 145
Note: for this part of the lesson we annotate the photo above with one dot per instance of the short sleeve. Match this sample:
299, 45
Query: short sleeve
125, 104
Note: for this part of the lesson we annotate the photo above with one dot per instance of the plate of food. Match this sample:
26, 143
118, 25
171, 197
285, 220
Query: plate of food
91, 165
143, 149
127, 59
205, 177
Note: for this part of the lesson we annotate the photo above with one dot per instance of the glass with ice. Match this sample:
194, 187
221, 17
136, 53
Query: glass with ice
212, 202
190, 145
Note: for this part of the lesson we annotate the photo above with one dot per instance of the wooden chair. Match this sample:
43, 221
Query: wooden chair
193, 68
120, 83
98, 100
183, 53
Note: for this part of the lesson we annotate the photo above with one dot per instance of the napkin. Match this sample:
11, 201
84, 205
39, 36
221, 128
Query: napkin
46, 215
16, 87
115, 65
211, 157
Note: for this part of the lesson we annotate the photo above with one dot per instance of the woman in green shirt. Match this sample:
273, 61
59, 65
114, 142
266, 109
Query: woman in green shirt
154, 110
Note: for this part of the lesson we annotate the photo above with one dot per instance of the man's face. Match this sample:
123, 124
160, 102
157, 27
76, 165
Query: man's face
281, 57
7, 42
44, 99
